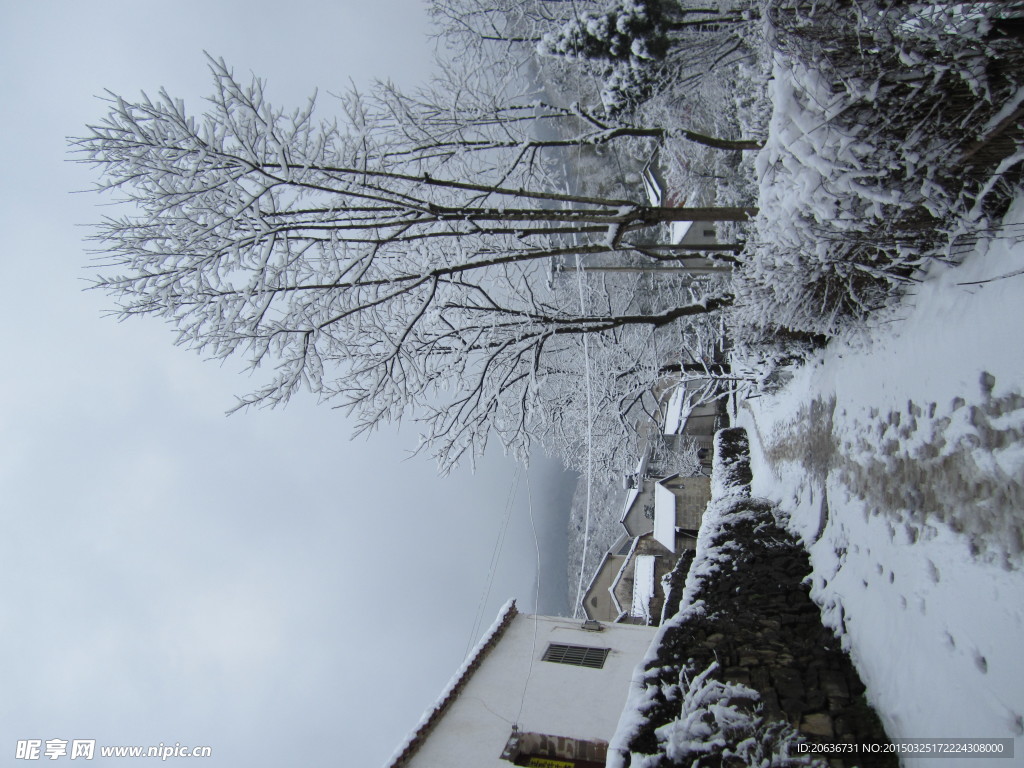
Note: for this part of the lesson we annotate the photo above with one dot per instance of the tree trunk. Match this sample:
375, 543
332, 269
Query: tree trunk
657, 215
711, 141
713, 369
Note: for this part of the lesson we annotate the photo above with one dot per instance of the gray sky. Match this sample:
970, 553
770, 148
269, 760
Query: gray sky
257, 583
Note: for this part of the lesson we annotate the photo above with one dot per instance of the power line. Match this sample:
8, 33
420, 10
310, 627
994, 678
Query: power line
536, 597
499, 544
590, 446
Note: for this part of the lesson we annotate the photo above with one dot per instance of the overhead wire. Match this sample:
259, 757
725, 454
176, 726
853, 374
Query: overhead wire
499, 544
536, 597
578, 603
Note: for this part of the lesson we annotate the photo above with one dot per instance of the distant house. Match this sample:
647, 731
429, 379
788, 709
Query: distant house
636, 590
687, 408
660, 519
688, 411
679, 504
679, 232
536, 691
638, 512
660, 506
598, 602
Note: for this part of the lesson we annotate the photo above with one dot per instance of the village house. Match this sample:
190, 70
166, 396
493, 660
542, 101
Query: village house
694, 233
663, 506
689, 411
660, 519
598, 600
536, 691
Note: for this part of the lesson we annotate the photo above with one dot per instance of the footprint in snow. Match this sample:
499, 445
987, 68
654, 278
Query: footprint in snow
980, 662
988, 383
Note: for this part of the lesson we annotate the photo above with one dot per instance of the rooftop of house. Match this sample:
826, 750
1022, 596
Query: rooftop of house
680, 404
665, 515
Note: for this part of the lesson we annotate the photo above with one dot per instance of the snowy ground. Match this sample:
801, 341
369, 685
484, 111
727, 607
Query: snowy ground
900, 454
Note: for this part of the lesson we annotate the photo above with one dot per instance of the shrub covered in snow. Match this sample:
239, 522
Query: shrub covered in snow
892, 134
638, 46
631, 29
718, 722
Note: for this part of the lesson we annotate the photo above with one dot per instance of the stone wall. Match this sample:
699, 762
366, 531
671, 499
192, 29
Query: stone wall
746, 609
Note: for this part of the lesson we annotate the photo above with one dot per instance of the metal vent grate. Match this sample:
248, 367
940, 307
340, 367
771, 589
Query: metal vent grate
579, 655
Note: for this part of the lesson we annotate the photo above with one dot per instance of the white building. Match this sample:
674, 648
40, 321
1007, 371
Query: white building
537, 691
680, 232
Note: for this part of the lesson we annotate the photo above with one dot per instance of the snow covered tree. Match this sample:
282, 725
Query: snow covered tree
624, 42
378, 261
627, 44
461, 113
633, 29
497, 42
507, 25
611, 411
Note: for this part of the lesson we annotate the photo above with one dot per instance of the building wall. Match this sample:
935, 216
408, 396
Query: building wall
635, 522
700, 233
693, 494
702, 420
513, 685
598, 601
664, 560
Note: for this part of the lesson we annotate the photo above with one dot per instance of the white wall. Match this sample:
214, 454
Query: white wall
513, 685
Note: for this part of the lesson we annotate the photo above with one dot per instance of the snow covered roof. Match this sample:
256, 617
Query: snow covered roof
665, 516
618, 577
643, 586
680, 404
678, 230
652, 187
632, 493
597, 572
451, 691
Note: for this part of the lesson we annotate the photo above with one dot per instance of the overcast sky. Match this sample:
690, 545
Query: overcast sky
258, 583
